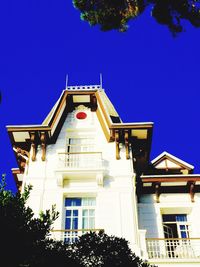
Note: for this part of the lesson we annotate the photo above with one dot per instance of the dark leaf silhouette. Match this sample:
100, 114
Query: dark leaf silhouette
111, 14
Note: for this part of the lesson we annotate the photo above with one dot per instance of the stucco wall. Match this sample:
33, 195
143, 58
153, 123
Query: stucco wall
116, 210
150, 212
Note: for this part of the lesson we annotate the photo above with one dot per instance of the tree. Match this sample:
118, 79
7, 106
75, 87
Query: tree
115, 14
101, 250
24, 238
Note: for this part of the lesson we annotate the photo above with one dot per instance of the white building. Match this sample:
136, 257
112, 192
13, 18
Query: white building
96, 169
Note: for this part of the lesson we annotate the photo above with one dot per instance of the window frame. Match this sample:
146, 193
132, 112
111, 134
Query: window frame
81, 208
180, 232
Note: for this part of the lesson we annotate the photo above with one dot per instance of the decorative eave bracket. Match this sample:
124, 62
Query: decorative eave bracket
22, 157
38, 138
43, 145
157, 187
33, 145
117, 144
126, 140
124, 135
191, 186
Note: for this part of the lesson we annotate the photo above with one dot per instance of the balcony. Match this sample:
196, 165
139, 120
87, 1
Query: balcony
70, 236
80, 165
80, 160
173, 248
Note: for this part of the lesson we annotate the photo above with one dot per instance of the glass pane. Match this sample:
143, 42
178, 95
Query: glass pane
75, 223
67, 241
183, 234
91, 212
174, 217
182, 227
168, 218
85, 213
91, 223
67, 223
181, 218
85, 223
75, 212
68, 213
69, 202
84, 201
90, 201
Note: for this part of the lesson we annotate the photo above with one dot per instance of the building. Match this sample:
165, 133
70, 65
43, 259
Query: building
97, 171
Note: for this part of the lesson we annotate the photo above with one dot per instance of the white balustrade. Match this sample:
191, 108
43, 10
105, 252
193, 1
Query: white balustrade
70, 236
177, 248
80, 160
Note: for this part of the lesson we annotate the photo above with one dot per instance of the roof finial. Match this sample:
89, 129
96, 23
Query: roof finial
66, 82
101, 80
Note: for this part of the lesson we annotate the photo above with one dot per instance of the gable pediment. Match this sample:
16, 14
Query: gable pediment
166, 161
94, 100
167, 164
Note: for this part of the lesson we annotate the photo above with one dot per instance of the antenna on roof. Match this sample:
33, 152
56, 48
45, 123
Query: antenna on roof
101, 80
66, 82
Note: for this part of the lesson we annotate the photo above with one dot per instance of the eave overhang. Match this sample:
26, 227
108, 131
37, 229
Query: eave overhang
170, 178
174, 183
17, 174
136, 136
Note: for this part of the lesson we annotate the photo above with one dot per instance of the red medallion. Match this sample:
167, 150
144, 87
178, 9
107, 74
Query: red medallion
81, 115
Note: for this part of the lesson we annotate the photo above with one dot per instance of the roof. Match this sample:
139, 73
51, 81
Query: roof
49, 116
108, 105
110, 114
94, 97
167, 160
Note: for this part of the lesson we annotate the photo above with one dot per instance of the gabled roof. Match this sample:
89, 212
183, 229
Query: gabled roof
91, 95
52, 111
167, 161
94, 97
170, 175
105, 100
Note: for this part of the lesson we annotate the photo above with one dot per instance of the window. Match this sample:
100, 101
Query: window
175, 226
80, 144
80, 153
79, 217
176, 233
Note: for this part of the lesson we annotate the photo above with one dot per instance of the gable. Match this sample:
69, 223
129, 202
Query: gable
167, 161
167, 164
93, 101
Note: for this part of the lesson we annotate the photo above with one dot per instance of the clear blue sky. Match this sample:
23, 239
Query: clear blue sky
148, 74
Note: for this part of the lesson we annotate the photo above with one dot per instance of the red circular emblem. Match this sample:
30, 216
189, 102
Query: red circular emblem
81, 115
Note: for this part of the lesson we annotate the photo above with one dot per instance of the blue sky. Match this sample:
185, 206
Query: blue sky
148, 74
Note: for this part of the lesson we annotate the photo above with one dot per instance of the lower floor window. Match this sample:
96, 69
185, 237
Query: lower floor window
79, 217
176, 233
175, 226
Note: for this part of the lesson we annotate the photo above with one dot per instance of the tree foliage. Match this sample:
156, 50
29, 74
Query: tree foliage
101, 250
115, 14
24, 238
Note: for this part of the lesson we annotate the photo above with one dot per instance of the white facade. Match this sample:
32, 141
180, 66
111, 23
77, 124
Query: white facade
88, 163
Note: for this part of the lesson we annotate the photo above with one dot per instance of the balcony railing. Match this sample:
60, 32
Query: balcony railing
173, 248
70, 236
80, 160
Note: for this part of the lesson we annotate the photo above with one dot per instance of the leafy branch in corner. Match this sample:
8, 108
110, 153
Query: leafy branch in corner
110, 14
